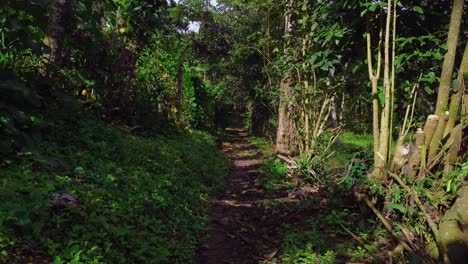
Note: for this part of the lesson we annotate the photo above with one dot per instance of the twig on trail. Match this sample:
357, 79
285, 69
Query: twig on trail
358, 239
232, 235
383, 220
350, 167
286, 159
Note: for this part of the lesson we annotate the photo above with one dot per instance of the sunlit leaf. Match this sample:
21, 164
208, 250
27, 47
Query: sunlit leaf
397, 207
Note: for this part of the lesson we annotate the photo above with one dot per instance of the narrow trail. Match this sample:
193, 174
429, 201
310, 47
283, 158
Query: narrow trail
246, 220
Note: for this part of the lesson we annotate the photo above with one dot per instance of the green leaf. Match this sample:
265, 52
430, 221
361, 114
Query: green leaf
418, 9
381, 98
449, 185
428, 90
397, 207
438, 56
363, 12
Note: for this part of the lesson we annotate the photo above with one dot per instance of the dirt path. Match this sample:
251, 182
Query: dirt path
244, 227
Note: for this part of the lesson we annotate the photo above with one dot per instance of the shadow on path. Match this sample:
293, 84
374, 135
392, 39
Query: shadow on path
244, 225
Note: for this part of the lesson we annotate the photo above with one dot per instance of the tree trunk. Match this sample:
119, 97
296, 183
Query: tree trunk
285, 126
453, 229
285, 123
60, 14
180, 76
455, 100
385, 126
447, 69
374, 78
334, 118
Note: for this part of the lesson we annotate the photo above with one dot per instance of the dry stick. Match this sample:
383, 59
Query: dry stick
319, 123
453, 111
398, 162
437, 137
358, 239
384, 221
427, 217
322, 126
286, 159
442, 150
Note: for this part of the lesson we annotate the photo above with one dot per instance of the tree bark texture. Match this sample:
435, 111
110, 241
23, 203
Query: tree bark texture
447, 68
59, 19
285, 123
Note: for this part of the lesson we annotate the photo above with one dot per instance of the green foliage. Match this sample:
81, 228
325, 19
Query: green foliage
274, 175
139, 198
321, 240
312, 167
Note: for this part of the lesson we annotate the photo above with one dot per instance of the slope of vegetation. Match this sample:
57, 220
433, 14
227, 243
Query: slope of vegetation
109, 111
94, 193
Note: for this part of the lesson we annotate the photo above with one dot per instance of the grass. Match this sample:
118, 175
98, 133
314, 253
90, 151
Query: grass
135, 199
351, 143
357, 140
263, 144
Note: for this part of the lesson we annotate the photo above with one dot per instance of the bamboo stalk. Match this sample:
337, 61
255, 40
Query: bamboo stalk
399, 159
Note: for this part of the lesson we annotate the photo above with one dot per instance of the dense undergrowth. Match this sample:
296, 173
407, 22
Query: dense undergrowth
345, 229
323, 238
91, 193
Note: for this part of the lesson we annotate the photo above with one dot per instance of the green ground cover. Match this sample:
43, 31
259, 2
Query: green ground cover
91, 193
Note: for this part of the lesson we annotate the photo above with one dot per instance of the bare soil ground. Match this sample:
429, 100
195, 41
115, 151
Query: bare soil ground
246, 220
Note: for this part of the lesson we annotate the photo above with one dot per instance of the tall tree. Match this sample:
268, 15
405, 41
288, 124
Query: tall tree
447, 69
285, 130
59, 20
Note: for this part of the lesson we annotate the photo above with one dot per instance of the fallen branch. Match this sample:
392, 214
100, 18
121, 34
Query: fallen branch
384, 221
286, 159
358, 239
427, 217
